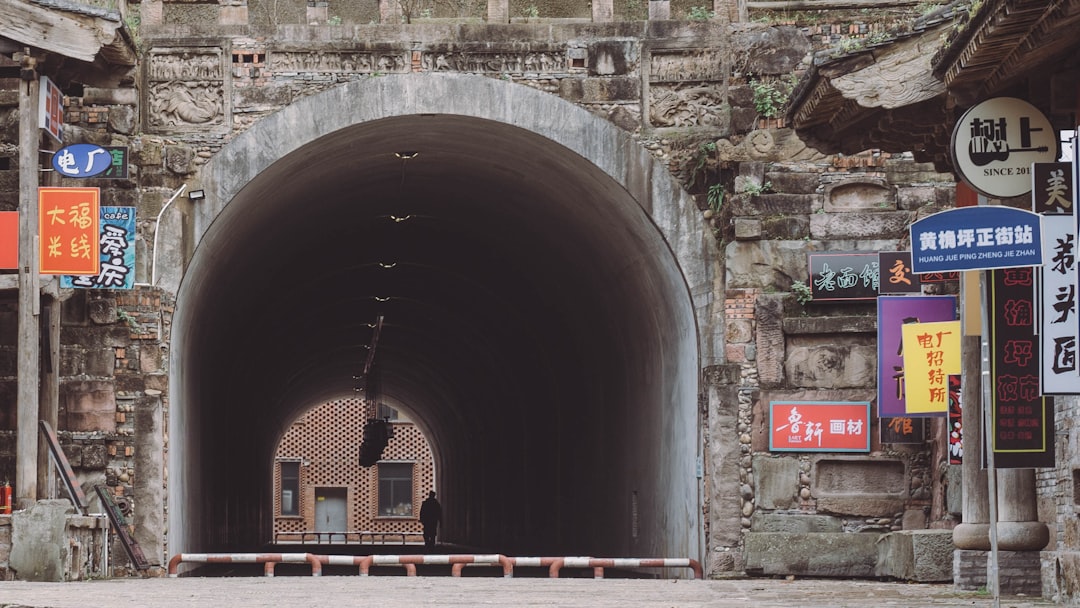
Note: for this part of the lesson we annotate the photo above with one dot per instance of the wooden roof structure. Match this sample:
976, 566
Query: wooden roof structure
906, 94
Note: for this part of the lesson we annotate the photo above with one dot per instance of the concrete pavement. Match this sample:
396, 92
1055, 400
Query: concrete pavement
471, 591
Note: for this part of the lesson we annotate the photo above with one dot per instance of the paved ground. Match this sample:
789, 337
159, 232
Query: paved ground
447, 592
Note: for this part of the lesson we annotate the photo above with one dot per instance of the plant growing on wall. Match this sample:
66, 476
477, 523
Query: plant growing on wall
699, 13
801, 291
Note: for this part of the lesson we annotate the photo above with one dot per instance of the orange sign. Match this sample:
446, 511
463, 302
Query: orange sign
9, 239
68, 230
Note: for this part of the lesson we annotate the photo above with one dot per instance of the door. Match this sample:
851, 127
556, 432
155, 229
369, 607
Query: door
330, 513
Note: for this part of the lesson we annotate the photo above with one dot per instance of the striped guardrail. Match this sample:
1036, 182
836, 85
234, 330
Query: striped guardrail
409, 562
267, 559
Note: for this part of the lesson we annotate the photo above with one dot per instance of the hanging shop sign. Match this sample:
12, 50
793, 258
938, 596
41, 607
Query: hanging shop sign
897, 277
807, 426
843, 276
903, 430
976, 238
1022, 418
9, 240
51, 108
995, 142
117, 245
893, 313
931, 355
81, 160
68, 230
1052, 197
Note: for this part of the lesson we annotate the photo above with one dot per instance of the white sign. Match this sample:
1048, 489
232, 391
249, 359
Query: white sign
996, 141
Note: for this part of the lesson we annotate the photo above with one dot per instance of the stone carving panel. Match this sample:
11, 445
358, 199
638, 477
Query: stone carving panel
684, 91
334, 61
514, 62
186, 90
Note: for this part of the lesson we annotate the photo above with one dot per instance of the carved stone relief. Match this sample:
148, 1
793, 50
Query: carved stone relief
532, 61
332, 61
185, 90
683, 89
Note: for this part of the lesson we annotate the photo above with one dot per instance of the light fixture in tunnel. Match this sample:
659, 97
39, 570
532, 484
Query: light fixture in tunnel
406, 155
387, 265
197, 195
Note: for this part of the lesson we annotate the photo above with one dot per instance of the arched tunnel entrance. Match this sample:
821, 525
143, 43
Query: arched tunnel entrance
541, 279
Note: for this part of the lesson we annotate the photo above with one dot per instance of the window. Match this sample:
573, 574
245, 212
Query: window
395, 489
290, 487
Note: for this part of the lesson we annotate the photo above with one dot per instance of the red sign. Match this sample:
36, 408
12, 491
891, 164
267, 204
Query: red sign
810, 426
9, 239
68, 230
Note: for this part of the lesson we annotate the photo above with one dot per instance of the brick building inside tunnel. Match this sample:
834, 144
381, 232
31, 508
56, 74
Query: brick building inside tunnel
583, 237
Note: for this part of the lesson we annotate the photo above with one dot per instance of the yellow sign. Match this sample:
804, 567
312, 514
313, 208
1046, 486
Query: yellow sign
931, 355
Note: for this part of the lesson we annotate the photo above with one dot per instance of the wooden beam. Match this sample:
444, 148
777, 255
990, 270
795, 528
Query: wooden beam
821, 5
68, 34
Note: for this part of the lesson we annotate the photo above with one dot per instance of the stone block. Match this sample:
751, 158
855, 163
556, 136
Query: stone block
923, 556
833, 324
789, 227
795, 523
768, 265
830, 227
814, 554
39, 544
771, 204
793, 182
863, 486
776, 481
88, 406
860, 194
824, 363
747, 229
954, 495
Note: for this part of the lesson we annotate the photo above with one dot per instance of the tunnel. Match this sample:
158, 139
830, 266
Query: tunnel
542, 285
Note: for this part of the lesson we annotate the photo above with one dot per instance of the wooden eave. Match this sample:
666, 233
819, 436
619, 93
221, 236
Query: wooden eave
1005, 42
883, 97
69, 30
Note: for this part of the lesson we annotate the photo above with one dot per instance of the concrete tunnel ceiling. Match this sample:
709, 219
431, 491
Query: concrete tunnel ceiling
536, 325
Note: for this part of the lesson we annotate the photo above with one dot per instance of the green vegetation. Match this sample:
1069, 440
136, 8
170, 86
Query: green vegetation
530, 12
770, 97
715, 197
699, 13
754, 189
801, 291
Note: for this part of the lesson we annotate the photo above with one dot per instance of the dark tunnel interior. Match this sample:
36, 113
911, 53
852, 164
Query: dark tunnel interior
535, 325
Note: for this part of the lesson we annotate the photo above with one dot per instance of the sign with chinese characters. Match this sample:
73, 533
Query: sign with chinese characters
903, 430
1022, 418
118, 162
1052, 196
893, 313
897, 277
9, 239
50, 108
976, 238
68, 230
995, 142
807, 426
939, 277
931, 355
81, 160
843, 276
117, 245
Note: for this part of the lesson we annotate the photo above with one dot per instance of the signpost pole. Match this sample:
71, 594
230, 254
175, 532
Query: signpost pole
992, 571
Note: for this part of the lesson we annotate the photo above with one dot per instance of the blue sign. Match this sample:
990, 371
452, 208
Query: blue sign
117, 245
976, 238
81, 160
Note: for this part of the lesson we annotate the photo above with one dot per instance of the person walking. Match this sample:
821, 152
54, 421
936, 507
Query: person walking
430, 518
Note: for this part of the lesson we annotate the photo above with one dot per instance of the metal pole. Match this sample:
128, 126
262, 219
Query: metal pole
29, 347
993, 582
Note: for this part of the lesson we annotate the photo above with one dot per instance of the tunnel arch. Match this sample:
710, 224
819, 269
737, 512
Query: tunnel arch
557, 381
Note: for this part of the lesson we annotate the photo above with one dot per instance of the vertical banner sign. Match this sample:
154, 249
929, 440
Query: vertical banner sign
117, 244
1022, 418
896, 274
68, 230
1051, 196
50, 108
931, 355
9, 239
893, 313
803, 426
903, 430
956, 425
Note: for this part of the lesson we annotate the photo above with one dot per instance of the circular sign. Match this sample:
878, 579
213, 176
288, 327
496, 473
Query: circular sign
995, 142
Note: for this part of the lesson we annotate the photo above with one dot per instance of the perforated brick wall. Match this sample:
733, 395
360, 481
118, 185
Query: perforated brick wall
327, 440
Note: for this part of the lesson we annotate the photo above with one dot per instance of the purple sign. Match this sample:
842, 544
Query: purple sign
893, 313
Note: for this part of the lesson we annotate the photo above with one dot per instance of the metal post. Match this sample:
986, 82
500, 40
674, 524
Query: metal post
992, 574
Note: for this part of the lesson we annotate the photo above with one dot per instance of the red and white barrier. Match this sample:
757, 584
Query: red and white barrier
267, 559
599, 563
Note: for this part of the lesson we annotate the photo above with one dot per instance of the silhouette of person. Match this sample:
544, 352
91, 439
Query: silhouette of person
430, 518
